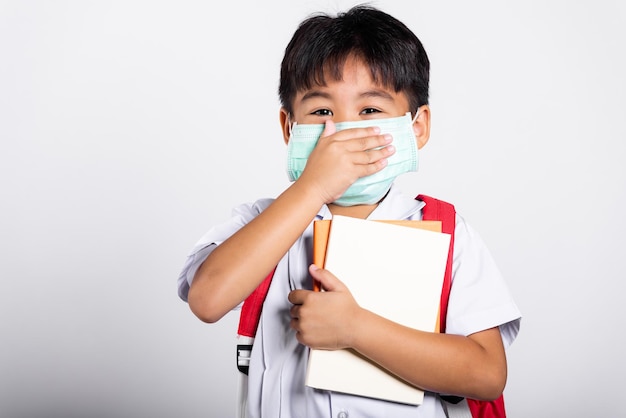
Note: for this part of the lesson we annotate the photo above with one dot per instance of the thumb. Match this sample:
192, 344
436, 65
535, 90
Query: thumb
326, 279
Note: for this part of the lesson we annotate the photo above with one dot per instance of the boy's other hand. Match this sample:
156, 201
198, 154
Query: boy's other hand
340, 158
324, 320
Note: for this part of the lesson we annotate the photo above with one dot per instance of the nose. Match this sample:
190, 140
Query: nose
343, 116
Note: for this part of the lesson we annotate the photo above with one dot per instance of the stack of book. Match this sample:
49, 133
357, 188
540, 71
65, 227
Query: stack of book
392, 268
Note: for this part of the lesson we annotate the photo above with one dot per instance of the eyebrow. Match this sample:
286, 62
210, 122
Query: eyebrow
311, 94
377, 93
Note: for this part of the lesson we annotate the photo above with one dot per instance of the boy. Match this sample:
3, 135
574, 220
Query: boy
362, 66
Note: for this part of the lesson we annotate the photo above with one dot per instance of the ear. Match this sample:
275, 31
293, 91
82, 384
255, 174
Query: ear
421, 126
285, 122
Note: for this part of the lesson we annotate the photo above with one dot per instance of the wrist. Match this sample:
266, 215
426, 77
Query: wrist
358, 330
309, 193
327, 190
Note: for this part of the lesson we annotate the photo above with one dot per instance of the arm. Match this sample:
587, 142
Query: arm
234, 269
473, 366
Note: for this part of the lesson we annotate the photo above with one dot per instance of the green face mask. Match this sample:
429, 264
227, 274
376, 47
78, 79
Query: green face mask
366, 190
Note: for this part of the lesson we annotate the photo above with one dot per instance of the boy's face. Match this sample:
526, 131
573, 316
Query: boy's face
355, 97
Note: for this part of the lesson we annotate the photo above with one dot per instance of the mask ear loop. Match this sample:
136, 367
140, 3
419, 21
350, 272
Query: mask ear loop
417, 113
290, 124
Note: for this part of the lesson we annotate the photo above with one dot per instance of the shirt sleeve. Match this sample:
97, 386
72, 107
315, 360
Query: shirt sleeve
479, 297
241, 216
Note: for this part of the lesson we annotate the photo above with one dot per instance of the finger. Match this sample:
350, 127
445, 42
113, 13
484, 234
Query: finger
370, 143
295, 311
296, 297
294, 325
329, 128
327, 280
374, 155
371, 132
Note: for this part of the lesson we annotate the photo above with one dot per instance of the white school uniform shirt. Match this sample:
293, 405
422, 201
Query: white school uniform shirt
479, 300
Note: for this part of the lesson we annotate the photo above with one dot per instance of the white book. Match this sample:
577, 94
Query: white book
394, 271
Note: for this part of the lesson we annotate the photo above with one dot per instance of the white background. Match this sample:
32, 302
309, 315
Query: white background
128, 128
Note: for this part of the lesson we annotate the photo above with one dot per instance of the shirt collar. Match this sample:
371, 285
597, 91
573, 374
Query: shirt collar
396, 205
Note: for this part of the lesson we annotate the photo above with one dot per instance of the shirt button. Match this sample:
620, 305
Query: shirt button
342, 414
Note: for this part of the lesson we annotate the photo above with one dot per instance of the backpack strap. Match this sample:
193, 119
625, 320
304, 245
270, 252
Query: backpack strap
249, 322
251, 309
438, 210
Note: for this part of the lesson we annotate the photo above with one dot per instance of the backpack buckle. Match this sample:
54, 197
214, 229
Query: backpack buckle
243, 357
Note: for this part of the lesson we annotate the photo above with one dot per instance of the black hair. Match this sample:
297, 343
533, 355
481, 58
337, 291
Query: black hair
322, 43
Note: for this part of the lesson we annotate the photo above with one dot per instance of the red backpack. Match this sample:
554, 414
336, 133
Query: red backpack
435, 210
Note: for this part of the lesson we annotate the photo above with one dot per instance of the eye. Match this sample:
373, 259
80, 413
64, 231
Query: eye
369, 111
322, 112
